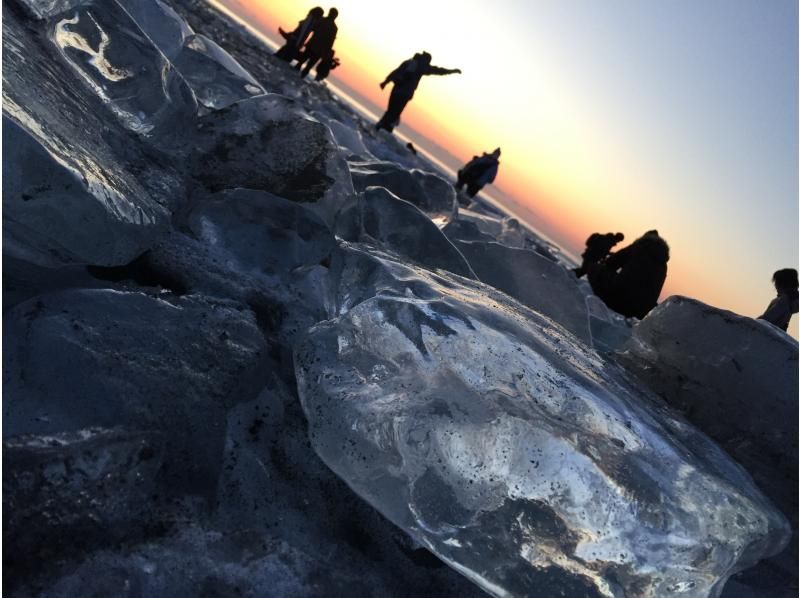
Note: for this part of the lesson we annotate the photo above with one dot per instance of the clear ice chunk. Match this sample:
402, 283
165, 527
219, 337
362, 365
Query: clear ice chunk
56, 212
382, 219
734, 377
159, 21
268, 143
215, 77
109, 52
429, 192
514, 453
44, 9
539, 283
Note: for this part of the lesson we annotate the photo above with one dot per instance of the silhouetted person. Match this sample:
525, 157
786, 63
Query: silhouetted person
780, 310
326, 65
406, 78
478, 172
321, 42
630, 280
597, 247
291, 50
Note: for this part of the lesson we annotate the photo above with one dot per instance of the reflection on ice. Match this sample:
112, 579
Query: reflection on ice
108, 51
215, 77
463, 416
66, 38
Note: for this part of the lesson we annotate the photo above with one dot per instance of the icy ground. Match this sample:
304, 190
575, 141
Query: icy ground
252, 348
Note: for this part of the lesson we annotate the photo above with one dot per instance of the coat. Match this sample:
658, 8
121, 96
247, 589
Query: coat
779, 311
324, 35
630, 280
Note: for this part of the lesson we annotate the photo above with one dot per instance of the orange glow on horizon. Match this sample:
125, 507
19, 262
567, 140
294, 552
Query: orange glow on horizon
569, 166
529, 184
536, 182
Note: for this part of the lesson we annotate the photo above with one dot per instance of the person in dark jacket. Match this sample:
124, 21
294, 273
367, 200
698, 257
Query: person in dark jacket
598, 246
326, 65
321, 42
478, 172
291, 50
406, 78
779, 311
630, 280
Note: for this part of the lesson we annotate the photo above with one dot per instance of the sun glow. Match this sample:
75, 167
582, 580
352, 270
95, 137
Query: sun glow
606, 118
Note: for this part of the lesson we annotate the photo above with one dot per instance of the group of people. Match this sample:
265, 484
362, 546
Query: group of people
630, 280
311, 43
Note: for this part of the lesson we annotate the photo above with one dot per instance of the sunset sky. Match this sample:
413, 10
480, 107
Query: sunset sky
613, 116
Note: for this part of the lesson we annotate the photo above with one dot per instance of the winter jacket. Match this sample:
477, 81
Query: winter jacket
780, 310
630, 280
321, 42
407, 76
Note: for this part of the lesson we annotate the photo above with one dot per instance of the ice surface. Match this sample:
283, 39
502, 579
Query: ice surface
267, 252
516, 455
67, 210
260, 231
79, 188
429, 192
44, 9
169, 395
348, 138
464, 230
215, 77
82, 358
165, 28
108, 51
534, 280
488, 225
734, 377
379, 217
268, 143
610, 331
94, 484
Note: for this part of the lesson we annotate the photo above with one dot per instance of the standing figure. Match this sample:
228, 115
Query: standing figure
321, 42
406, 78
780, 310
630, 280
597, 248
295, 39
326, 65
478, 172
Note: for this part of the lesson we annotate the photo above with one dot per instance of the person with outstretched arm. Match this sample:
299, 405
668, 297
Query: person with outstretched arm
406, 78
